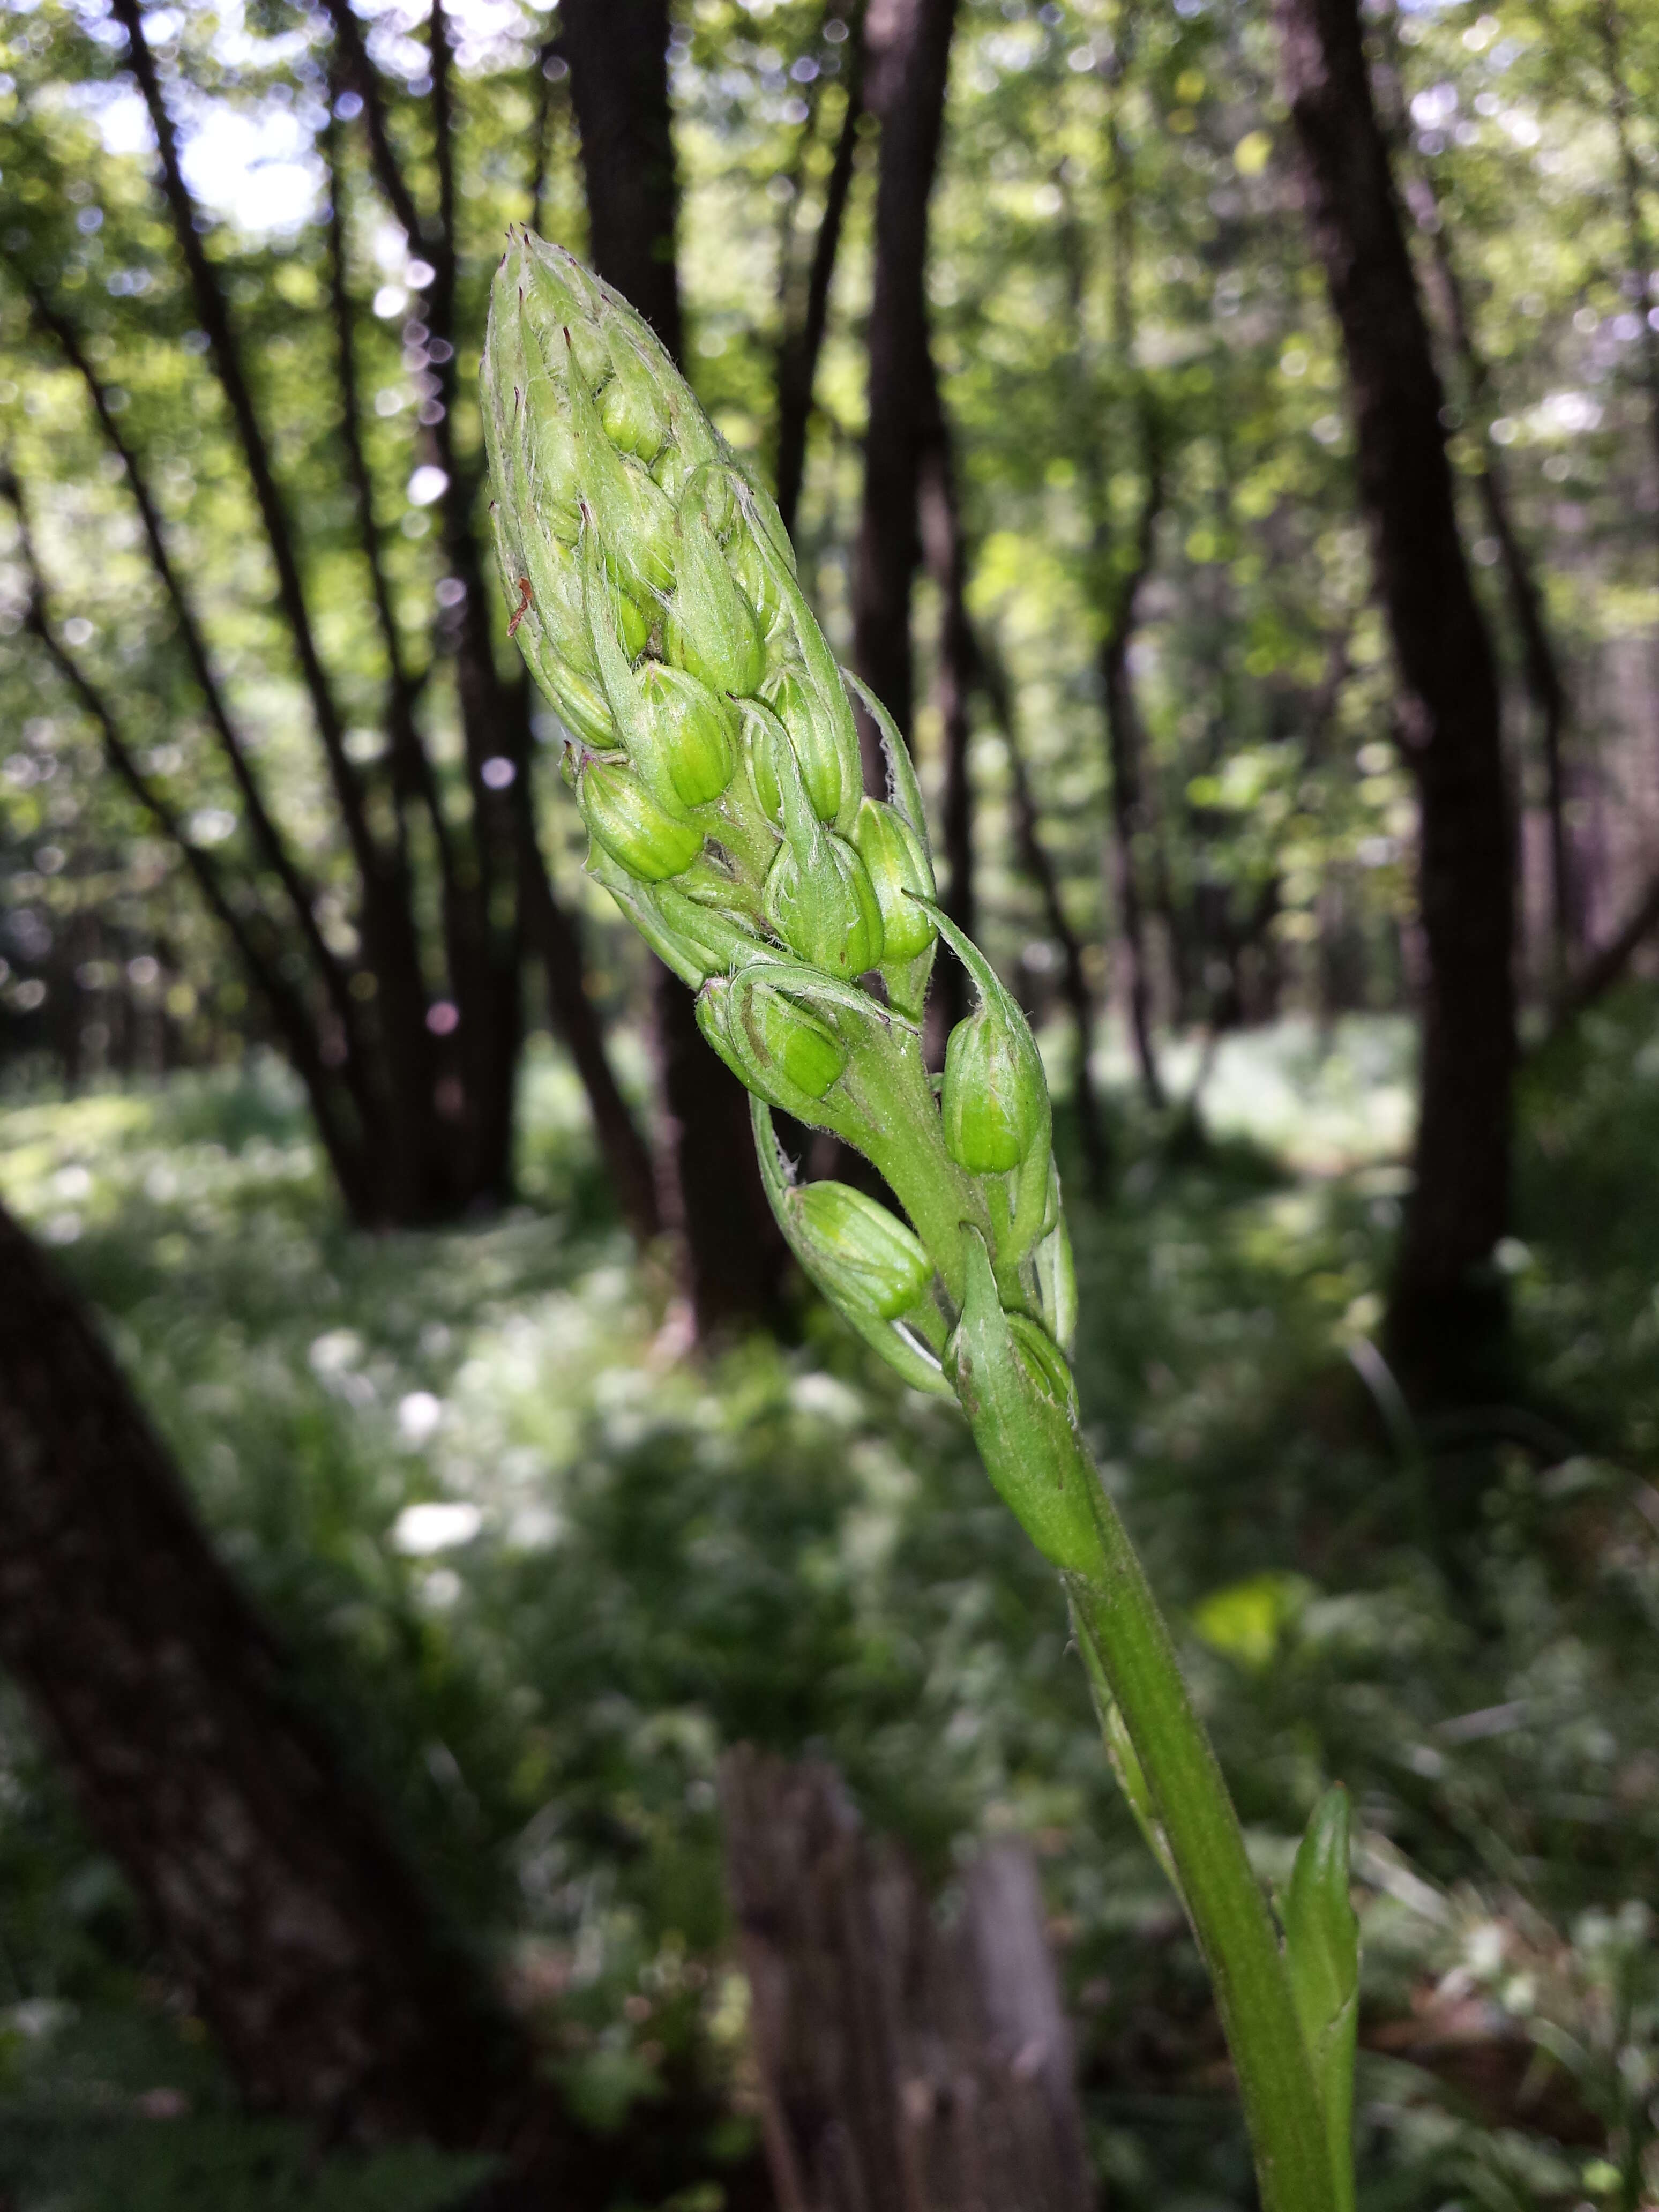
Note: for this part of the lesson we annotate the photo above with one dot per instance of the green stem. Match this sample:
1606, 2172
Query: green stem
1115, 1612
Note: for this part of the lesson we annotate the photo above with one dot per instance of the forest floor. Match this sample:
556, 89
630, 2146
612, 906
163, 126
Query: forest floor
542, 1571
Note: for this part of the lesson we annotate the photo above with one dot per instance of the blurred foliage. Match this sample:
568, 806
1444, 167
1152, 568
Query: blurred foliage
540, 1572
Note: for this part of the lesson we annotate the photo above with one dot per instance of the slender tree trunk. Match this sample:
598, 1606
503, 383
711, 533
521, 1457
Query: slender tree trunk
1036, 863
803, 342
1446, 1304
1115, 583
558, 944
906, 62
710, 1189
944, 546
1539, 664
268, 1877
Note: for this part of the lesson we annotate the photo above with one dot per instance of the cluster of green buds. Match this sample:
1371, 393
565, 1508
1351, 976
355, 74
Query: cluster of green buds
714, 756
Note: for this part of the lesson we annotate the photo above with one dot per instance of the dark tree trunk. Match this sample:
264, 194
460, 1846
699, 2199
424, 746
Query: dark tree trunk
907, 61
803, 340
1541, 666
268, 1877
946, 549
1116, 578
1035, 859
1446, 1308
900, 2068
713, 1195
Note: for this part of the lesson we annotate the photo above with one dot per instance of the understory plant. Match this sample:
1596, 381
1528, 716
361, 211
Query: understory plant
715, 755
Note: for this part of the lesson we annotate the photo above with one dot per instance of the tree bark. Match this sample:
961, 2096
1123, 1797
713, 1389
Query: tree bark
906, 62
901, 2069
1036, 861
801, 344
1116, 581
710, 1187
1446, 1306
945, 548
267, 1874
1539, 664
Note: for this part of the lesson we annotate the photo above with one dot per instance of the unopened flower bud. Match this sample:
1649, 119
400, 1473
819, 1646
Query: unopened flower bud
862, 1253
818, 895
1017, 1391
994, 1096
825, 743
762, 733
640, 835
899, 871
542, 625
552, 482
824, 907
632, 408
632, 513
711, 628
783, 1034
770, 1043
692, 734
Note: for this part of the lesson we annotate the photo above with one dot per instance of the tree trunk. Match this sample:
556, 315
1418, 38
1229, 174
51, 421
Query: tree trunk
907, 61
711, 1192
1540, 664
1114, 581
268, 1877
902, 2070
1446, 1306
803, 341
946, 549
1036, 863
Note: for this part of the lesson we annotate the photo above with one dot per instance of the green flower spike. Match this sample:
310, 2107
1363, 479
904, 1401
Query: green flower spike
652, 589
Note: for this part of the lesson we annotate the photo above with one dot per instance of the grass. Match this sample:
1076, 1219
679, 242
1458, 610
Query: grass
544, 1573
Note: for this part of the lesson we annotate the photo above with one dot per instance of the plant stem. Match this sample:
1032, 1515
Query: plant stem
1118, 1618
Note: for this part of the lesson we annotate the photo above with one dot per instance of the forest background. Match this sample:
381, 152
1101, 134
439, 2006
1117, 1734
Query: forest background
420, 1220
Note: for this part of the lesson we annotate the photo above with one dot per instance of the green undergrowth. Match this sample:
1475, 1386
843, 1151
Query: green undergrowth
540, 1570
